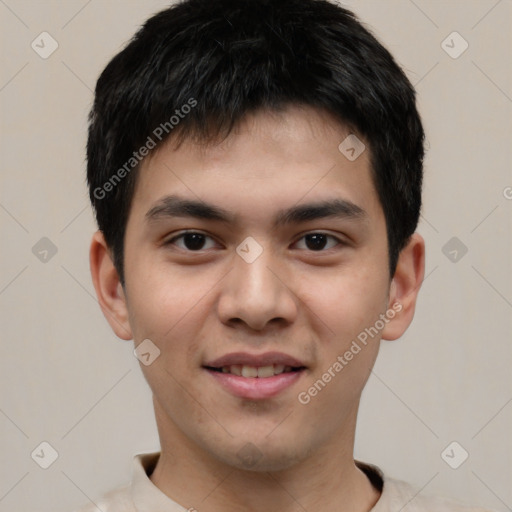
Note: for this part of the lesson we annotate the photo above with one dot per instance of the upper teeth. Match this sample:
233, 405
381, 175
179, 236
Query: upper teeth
253, 371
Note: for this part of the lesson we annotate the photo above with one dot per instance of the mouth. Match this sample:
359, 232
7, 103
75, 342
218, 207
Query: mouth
259, 372
255, 377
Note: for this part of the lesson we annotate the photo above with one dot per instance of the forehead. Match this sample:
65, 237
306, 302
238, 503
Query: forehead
268, 161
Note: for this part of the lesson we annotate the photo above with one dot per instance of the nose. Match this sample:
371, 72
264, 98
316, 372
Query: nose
257, 294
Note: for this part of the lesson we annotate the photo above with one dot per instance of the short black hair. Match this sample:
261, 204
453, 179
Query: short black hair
196, 69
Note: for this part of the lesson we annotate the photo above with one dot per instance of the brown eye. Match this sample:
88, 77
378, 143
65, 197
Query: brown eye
191, 241
319, 241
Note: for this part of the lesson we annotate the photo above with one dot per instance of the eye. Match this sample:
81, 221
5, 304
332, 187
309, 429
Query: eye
319, 241
191, 241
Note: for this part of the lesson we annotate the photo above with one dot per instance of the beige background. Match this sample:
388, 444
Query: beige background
67, 380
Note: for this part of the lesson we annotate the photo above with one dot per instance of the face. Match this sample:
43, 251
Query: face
263, 255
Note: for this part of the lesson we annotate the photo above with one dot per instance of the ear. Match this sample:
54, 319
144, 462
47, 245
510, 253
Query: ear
405, 286
108, 287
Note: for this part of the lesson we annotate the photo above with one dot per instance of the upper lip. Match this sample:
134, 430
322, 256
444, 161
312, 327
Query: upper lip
246, 359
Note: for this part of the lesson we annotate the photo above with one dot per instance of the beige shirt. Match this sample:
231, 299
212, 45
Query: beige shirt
143, 496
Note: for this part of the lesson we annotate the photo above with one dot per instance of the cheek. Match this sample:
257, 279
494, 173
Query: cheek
347, 301
355, 300
160, 299
172, 316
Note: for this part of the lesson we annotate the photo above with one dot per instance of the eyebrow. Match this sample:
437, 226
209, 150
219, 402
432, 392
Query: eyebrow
176, 206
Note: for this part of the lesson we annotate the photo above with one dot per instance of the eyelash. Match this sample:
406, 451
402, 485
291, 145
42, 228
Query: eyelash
181, 235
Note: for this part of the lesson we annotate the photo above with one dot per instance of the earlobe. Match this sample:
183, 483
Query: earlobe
405, 286
109, 290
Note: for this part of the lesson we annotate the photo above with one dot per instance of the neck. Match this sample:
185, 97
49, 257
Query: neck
329, 480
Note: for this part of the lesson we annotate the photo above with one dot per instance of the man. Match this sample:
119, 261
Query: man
255, 167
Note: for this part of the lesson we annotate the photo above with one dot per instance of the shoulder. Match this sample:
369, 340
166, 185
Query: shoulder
117, 500
409, 499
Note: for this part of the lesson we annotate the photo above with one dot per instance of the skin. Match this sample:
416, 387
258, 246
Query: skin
198, 305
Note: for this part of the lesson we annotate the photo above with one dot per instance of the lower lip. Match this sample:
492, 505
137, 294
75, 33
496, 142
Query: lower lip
256, 388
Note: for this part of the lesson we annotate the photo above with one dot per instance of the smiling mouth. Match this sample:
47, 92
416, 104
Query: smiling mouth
260, 372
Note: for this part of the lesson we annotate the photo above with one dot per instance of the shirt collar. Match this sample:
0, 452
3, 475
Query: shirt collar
147, 497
